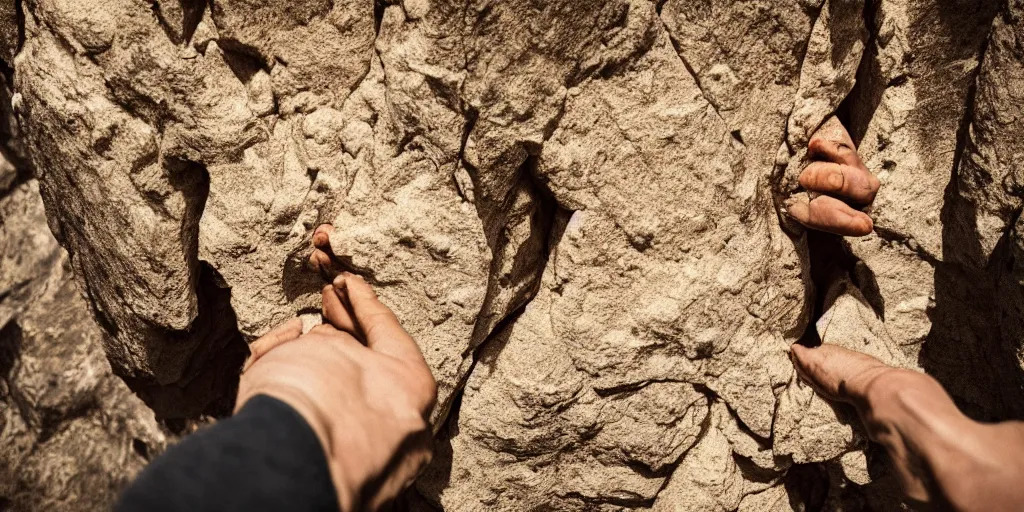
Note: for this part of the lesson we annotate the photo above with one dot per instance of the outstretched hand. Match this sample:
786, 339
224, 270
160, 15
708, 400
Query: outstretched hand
841, 186
940, 456
361, 383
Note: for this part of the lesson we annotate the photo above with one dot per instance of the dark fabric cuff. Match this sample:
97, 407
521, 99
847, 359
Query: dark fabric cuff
264, 458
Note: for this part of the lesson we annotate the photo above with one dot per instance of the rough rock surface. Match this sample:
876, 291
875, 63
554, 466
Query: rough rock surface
571, 205
71, 433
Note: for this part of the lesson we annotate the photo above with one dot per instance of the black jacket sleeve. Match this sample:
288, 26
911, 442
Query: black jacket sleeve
264, 458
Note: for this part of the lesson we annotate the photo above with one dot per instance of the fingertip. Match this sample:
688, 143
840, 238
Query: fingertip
817, 145
355, 284
797, 350
318, 260
321, 236
799, 354
866, 227
858, 224
799, 211
330, 303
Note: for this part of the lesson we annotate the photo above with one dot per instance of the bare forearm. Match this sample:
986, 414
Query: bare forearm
943, 457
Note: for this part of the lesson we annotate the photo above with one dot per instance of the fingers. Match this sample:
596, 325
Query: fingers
829, 214
337, 312
321, 237
840, 175
849, 182
283, 333
835, 372
320, 262
380, 326
833, 145
322, 258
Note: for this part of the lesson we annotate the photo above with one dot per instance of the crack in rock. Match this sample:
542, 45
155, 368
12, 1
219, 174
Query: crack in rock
570, 205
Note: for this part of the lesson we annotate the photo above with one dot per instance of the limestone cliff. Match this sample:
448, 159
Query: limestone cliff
571, 205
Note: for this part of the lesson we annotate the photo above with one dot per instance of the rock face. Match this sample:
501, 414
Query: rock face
71, 433
571, 205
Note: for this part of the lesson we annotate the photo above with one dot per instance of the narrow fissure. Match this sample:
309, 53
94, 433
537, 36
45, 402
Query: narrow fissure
686, 64
829, 255
963, 132
19, 12
857, 109
378, 16
830, 259
6, 73
210, 381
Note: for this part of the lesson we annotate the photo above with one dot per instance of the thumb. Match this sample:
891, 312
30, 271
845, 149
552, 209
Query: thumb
835, 372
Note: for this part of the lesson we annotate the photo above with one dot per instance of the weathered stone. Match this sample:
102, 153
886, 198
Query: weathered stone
805, 424
8, 31
572, 206
71, 433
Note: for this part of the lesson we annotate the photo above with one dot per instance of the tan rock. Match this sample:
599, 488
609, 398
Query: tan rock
71, 433
572, 206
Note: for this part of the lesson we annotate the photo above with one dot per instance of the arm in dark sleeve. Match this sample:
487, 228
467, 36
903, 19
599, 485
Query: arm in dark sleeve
266, 457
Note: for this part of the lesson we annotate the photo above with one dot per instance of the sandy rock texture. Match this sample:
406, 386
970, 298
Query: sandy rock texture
571, 205
71, 433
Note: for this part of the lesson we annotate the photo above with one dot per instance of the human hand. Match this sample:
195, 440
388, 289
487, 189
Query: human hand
360, 382
836, 180
940, 456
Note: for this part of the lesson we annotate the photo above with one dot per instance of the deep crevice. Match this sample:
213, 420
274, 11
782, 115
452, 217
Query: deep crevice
6, 73
19, 12
830, 258
544, 218
194, 10
191, 15
378, 16
963, 132
210, 380
53, 422
807, 486
858, 108
12, 338
244, 60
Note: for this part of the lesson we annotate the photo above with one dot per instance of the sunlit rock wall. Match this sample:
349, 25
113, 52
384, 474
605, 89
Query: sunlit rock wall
571, 205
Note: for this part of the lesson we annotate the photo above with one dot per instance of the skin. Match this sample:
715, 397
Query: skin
841, 182
942, 458
362, 384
